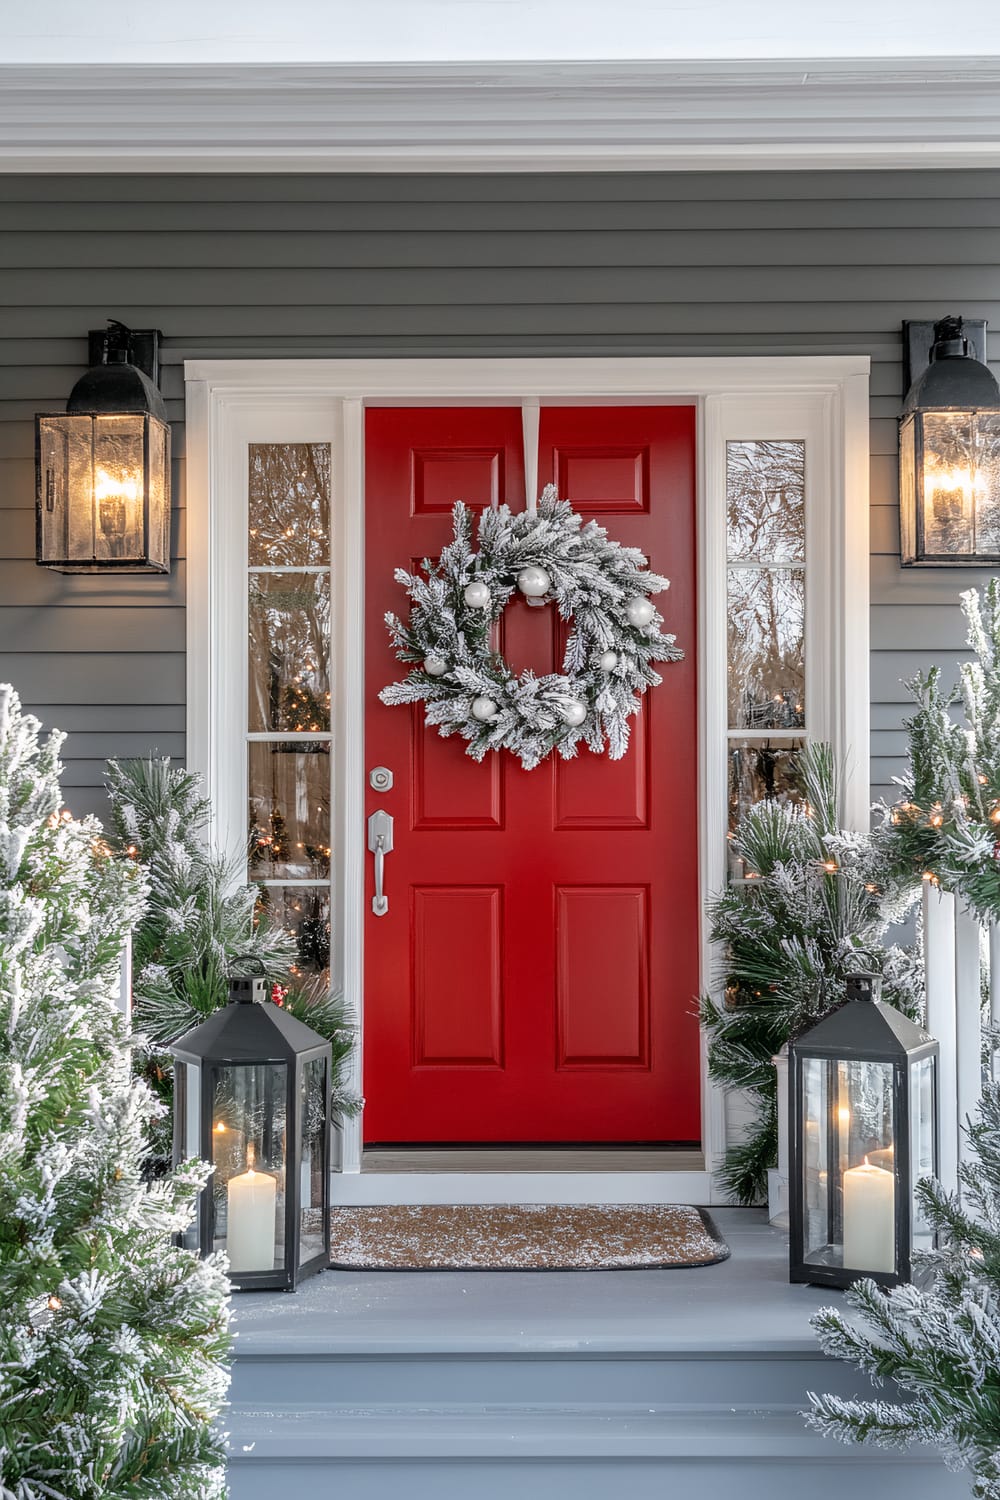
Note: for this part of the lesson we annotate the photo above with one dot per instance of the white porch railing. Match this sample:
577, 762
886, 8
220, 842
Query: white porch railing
954, 947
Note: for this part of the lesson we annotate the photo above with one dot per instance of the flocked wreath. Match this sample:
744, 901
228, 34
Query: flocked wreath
601, 588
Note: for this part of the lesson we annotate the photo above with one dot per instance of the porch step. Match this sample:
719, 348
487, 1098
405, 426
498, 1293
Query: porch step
532, 1386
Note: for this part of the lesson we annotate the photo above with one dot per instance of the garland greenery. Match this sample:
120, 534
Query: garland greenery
813, 908
202, 925
599, 588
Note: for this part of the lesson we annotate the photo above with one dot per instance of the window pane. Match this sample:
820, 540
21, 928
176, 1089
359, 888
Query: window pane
758, 771
289, 650
766, 628
304, 911
766, 501
289, 504
289, 810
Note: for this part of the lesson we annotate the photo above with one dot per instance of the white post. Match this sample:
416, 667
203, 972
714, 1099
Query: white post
125, 982
777, 1178
968, 1015
994, 931
939, 970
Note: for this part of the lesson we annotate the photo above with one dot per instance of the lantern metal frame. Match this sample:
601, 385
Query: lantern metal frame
252, 1031
863, 1029
122, 381
946, 374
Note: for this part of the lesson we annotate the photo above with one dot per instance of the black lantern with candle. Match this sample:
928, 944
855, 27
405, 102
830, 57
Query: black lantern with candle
252, 1096
862, 1120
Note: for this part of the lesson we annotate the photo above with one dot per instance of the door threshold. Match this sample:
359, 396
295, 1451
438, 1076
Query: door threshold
579, 1184
532, 1159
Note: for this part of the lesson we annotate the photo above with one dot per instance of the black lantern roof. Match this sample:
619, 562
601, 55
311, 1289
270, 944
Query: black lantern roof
864, 1025
954, 380
249, 1030
117, 387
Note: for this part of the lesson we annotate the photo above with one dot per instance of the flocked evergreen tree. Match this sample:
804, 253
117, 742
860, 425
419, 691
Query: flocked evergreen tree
813, 907
940, 1340
203, 924
113, 1340
947, 824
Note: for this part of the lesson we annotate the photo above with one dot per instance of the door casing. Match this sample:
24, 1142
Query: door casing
231, 403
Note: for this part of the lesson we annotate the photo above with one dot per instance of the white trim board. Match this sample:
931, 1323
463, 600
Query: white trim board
233, 402
667, 115
699, 1188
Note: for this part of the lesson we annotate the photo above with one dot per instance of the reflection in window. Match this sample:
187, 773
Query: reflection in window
758, 771
289, 646
304, 911
289, 504
289, 809
765, 602
766, 637
766, 501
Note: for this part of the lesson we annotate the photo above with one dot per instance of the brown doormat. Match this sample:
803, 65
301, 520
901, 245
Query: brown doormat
524, 1237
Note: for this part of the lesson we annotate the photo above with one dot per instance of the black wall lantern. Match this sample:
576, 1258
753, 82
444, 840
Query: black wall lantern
949, 448
862, 1111
252, 1095
102, 467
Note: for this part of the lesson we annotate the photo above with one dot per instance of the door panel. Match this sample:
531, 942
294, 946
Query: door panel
535, 976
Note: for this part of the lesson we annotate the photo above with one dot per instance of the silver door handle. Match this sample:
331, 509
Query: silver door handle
380, 844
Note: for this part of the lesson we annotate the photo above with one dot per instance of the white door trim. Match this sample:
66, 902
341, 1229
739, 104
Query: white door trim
231, 402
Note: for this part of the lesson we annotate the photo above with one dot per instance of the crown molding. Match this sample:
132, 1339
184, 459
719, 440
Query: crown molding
502, 117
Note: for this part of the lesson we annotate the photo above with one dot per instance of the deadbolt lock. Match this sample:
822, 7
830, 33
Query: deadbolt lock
380, 779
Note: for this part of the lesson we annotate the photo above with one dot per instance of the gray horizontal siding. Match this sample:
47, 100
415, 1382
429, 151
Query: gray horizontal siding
635, 263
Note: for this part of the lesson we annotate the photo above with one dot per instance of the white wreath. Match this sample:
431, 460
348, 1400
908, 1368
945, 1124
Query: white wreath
599, 586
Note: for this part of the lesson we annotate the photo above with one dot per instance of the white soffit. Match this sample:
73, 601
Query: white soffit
400, 117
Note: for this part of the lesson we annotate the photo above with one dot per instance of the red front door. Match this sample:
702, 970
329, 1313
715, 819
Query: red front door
535, 976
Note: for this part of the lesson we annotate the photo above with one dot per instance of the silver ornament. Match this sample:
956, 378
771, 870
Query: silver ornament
534, 582
639, 612
477, 595
573, 713
607, 661
435, 666
483, 709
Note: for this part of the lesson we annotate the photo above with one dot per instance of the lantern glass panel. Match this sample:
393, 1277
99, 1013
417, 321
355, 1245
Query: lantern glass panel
314, 1132
922, 1076
187, 1128
849, 1182
960, 483
249, 1146
103, 492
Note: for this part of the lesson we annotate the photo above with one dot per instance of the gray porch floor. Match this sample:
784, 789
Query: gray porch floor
744, 1303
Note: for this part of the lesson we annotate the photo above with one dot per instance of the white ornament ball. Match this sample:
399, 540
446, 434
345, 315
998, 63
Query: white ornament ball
639, 612
607, 661
483, 709
534, 582
435, 666
573, 713
477, 595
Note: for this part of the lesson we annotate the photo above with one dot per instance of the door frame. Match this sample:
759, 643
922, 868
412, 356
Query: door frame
235, 401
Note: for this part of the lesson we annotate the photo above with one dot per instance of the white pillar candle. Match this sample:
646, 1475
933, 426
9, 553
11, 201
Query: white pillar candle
250, 1237
869, 1219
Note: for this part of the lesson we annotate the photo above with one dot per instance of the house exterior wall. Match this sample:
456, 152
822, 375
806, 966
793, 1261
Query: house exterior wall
310, 266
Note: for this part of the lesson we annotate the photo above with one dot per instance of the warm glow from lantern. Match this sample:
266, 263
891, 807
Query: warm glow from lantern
125, 487
947, 488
